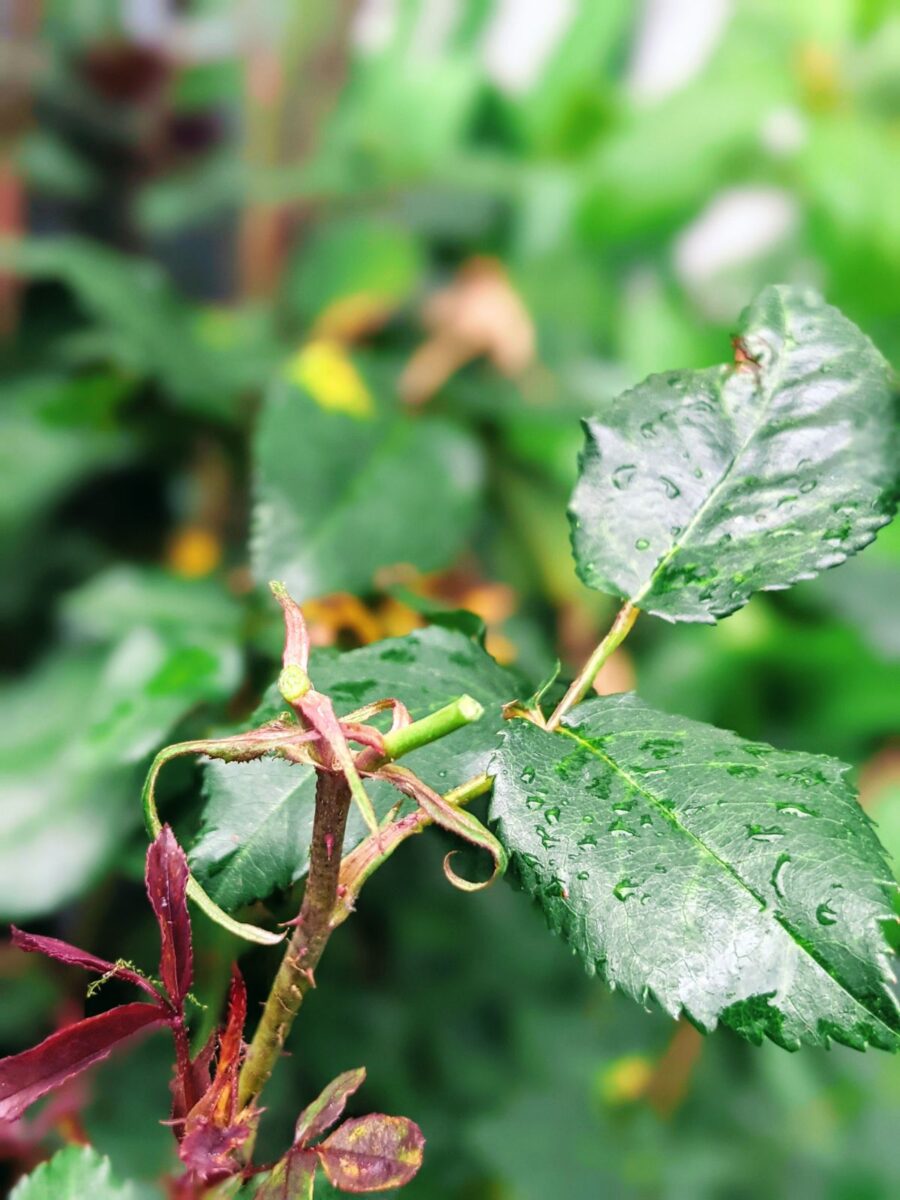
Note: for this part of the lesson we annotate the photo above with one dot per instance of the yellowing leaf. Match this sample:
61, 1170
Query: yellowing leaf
324, 370
625, 1080
194, 552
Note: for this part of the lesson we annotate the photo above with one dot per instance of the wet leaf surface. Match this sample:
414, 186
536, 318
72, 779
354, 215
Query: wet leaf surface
725, 879
699, 488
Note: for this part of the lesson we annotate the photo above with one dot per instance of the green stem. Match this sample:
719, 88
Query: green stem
295, 976
365, 859
448, 719
324, 906
583, 681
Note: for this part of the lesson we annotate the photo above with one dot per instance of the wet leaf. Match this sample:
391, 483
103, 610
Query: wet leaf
699, 488
373, 1153
725, 879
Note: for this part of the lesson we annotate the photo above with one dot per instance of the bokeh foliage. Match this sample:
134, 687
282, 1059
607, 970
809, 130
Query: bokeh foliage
224, 348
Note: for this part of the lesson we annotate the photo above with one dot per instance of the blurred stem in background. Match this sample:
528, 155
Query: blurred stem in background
294, 70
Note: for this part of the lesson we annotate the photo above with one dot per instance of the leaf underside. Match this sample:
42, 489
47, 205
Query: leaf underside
257, 821
699, 488
727, 880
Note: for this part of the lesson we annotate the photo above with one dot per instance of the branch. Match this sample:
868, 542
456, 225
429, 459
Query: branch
583, 681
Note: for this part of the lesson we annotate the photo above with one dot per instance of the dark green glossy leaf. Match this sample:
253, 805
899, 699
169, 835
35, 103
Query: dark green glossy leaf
257, 821
723, 878
341, 494
73, 1174
700, 488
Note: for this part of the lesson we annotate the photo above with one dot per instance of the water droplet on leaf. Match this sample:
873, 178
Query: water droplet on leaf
826, 915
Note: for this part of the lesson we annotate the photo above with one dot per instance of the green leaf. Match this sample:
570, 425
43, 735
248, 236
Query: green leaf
376, 260
142, 324
727, 880
342, 493
73, 1174
42, 455
257, 822
699, 488
73, 735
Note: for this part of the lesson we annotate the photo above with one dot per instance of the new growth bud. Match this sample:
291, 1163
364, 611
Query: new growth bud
293, 683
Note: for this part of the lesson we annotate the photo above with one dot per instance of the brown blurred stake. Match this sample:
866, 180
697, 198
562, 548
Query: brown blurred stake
19, 21
668, 1084
478, 315
293, 77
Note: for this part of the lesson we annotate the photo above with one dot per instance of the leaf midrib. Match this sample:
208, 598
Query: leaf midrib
393, 434
245, 846
769, 393
765, 909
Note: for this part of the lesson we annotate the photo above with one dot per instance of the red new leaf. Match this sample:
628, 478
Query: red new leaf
26, 1077
219, 1101
372, 1154
33, 943
214, 1129
319, 1116
208, 1150
167, 879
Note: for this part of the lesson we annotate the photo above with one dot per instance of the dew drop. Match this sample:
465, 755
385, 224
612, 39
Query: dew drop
583, 875
826, 915
793, 810
641, 544
552, 816
763, 833
527, 775
624, 889
661, 748
672, 489
808, 486
742, 770
648, 429
623, 476
534, 802
619, 829
588, 840
781, 864
624, 806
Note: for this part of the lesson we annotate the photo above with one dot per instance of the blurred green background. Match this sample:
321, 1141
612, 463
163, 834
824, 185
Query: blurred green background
453, 226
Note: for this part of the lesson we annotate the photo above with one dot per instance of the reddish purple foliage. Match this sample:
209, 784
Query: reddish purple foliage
372, 1154
213, 1129
26, 1077
167, 879
33, 943
319, 1116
